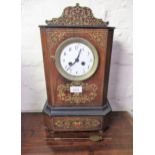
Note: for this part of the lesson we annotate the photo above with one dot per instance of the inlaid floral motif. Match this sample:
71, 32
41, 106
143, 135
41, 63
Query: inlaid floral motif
77, 122
56, 36
77, 98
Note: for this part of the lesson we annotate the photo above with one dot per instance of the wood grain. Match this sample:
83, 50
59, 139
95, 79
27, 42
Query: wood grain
37, 140
101, 39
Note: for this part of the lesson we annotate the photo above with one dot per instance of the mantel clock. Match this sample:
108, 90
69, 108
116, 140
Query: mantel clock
76, 54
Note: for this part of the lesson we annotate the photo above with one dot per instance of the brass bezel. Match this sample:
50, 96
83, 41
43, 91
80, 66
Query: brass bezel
63, 72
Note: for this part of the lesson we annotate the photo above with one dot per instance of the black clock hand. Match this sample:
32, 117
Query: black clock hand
76, 60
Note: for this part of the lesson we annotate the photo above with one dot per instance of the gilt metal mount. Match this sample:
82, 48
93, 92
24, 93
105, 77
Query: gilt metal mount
77, 16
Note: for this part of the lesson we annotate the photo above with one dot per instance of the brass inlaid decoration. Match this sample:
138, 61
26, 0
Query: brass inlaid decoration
56, 36
77, 16
77, 123
87, 96
99, 37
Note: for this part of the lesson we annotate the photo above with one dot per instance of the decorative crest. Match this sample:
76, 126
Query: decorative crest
77, 16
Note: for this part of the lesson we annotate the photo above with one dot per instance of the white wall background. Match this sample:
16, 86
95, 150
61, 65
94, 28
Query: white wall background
118, 12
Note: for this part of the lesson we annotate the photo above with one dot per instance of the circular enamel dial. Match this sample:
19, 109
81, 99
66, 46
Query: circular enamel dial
76, 59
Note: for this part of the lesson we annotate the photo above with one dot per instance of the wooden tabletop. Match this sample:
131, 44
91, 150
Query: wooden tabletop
36, 140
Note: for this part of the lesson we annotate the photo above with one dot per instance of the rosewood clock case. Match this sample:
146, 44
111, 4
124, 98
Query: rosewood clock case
86, 111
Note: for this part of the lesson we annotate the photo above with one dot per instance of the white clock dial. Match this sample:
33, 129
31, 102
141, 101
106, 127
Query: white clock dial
77, 59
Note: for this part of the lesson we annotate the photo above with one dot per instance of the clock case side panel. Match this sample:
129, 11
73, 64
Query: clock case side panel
46, 62
108, 61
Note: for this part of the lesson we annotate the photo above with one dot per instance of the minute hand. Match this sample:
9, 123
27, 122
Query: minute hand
76, 60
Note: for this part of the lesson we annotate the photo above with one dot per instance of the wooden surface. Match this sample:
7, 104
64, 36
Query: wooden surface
36, 140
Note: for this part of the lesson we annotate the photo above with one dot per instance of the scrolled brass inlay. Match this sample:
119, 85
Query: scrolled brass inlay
57, 36
87, 96
77, 123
